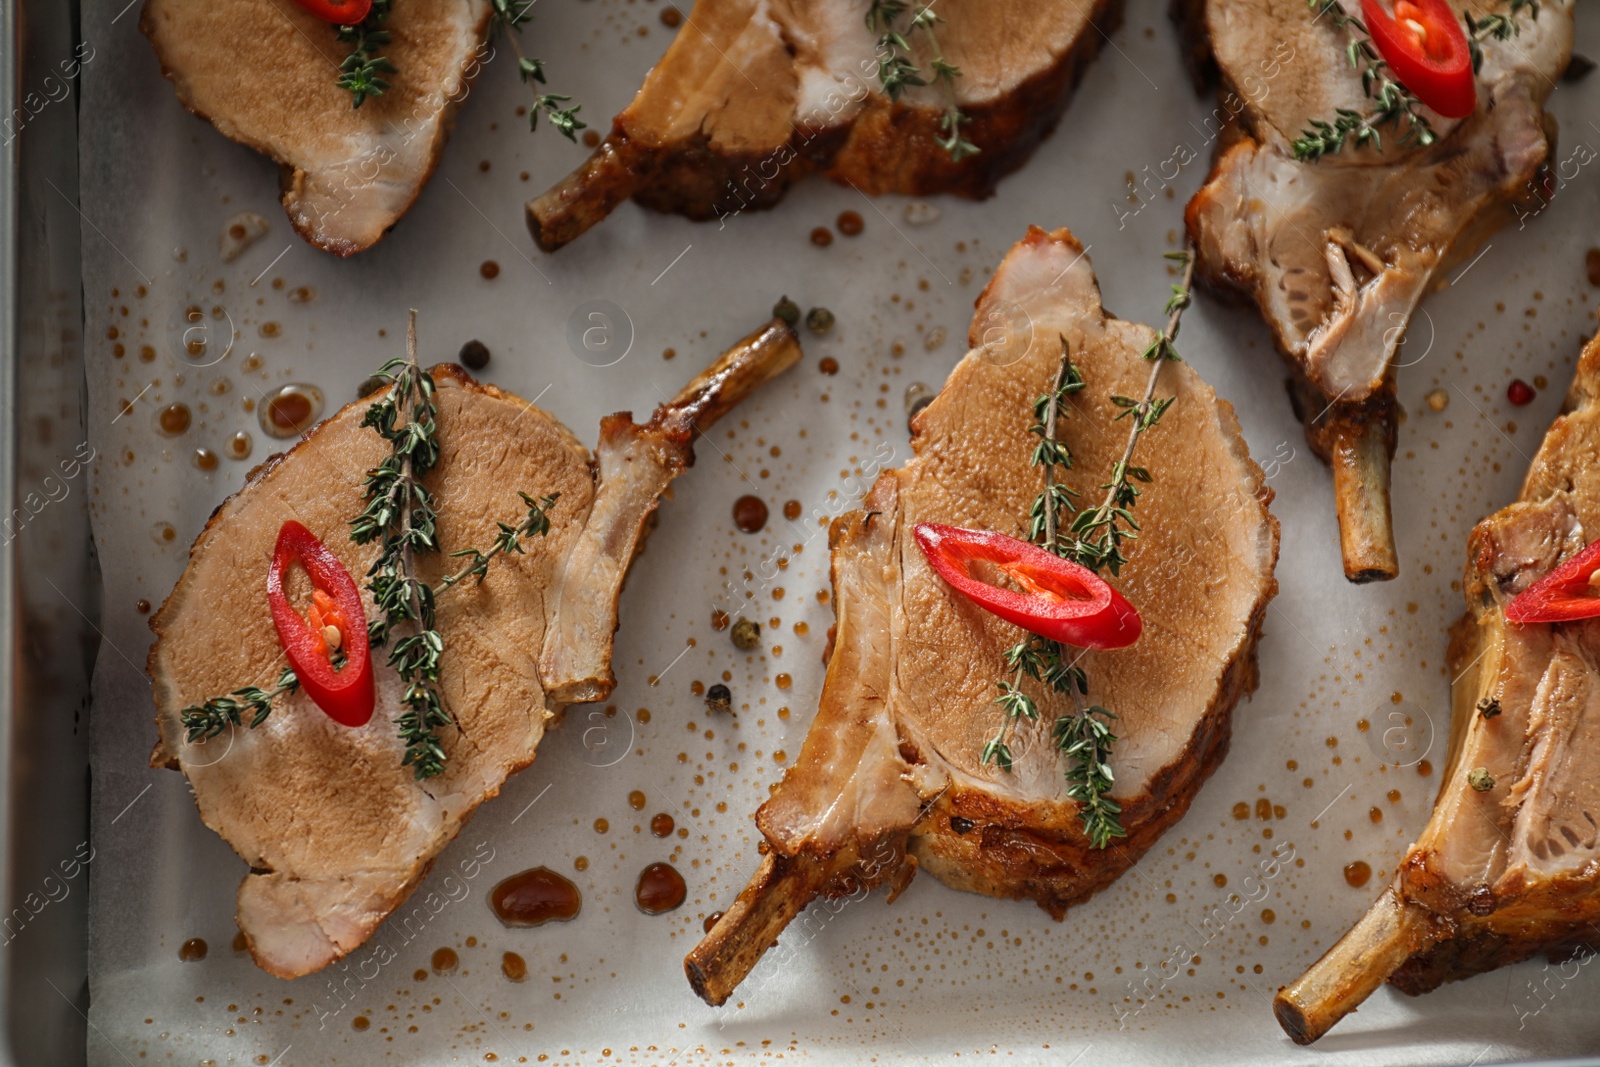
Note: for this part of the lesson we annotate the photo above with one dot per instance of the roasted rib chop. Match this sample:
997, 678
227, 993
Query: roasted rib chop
264, 72
1338, 254
336, 832
1502, 874
755, 94
891, 764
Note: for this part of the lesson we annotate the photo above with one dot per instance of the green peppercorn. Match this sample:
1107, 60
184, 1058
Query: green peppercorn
819, 320
1480, 779
787, 310
746, 634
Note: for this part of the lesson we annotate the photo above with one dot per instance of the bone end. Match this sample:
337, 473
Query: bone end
1362, 960
586, 196
1361, 491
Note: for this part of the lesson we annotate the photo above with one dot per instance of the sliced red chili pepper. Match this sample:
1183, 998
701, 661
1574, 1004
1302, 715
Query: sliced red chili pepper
1566, 594
338, 12
346, 693
1424, 44
1062, 601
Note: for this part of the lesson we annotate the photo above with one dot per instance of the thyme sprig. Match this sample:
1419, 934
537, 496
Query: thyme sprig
363, 69
202, 722
513, 15
508, 541
1499, 27
1394, 105
1093, 539
400, 515
897, 71
1099, 533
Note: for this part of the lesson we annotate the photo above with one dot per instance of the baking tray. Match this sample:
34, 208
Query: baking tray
49, 592
939, 974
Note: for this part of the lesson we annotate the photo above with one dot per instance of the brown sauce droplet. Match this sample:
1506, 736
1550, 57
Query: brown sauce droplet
174, 419
513, 966
849, 223
240, 942
784, 681
1241, 810
1357, 873
419, 975
147, 354
1394, 796
205, 459
822, 237
143, 608
1219, 880
240, 445
360, 1022
720, 620
193, 950
444, 959
1591, 265
636, 800
1425, 768
581, 863
535, 897
270, 329
601, 826
1376, 814
1263, 808
489, 269
661, 889
291, 410
828, 365
791, 509
749, 513
661, 825
711, 920
671, 17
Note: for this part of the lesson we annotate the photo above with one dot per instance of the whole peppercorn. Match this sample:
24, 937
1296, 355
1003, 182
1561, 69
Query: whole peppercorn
475, 355
819, 320
787, 310
719, 698
1480, 779
1488, 707
746, 634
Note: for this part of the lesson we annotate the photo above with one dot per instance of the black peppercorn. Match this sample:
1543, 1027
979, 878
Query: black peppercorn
475, 355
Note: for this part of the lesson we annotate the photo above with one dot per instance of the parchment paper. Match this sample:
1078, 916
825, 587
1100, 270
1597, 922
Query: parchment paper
940, 973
